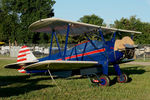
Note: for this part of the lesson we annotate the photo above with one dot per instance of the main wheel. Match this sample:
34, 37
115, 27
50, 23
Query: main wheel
104, 80
123, 78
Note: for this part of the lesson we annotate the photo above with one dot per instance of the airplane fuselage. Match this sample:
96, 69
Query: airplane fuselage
88, 52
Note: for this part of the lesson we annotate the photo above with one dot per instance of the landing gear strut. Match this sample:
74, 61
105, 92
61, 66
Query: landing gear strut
123, 78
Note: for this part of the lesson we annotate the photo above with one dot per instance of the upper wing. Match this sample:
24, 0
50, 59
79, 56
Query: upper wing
60, 26
60, 65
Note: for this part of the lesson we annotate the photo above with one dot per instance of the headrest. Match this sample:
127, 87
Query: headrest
127, 40
120, 44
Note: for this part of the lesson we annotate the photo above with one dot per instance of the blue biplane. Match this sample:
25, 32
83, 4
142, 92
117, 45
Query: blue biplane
90, 57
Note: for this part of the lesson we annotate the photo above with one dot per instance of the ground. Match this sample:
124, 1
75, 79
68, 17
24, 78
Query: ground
14, 85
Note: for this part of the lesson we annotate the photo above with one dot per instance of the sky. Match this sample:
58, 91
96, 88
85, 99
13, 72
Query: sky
109, 10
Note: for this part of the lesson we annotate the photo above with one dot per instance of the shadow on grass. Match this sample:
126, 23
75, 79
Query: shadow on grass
16, 85
127, 70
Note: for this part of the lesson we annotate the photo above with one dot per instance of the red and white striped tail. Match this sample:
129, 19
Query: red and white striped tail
21, 70
25, 55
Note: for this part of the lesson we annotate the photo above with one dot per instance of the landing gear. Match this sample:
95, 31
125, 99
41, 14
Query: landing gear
123, 78
104, 80
101, 81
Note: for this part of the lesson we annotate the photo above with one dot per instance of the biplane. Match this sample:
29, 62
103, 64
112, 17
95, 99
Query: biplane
90, 58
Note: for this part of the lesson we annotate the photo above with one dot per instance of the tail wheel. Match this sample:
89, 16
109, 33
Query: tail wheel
104, 80
122, 78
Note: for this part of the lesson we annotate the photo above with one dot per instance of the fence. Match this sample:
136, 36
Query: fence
38, 50
143, 52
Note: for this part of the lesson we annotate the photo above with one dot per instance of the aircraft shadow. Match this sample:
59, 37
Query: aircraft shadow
15, 90
31, 84
127, 70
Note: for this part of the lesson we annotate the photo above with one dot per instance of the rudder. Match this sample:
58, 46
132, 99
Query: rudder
25, 55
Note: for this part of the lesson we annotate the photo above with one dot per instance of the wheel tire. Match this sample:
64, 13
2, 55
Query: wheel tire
104, 80
122, 78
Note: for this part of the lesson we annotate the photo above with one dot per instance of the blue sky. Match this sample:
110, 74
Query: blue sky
109, 10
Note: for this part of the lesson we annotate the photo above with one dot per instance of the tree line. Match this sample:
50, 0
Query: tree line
17, 15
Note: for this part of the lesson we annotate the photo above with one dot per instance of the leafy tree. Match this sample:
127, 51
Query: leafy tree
130, 24
8, 25
0, 3
92, 19
135, 24
20, 14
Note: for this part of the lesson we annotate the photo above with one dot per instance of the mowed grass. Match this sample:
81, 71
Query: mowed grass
17, 86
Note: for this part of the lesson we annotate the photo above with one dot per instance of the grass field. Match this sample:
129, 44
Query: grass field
17, 86
142, 60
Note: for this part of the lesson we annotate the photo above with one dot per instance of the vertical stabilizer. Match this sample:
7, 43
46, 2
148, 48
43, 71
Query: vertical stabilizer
25, 55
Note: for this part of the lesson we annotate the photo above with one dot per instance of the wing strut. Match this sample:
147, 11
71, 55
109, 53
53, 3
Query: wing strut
91, 41
114, 36
50, 50
67, 35
101, 34
53, 78
58, 44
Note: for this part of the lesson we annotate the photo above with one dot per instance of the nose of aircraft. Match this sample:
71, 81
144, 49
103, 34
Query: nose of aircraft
127, 46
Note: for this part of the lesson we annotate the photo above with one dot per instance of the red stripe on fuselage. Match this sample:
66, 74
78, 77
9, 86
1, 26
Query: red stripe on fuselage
24, 51
85, 54
82, 43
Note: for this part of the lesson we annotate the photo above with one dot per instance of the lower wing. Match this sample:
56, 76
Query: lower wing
60, 65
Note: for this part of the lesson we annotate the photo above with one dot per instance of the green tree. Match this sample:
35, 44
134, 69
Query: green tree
0, 3
135, 24
20, 14
8, 25
132, 23
92, 19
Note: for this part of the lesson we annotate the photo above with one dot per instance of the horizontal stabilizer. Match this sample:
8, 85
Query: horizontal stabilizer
13, 66
17, 65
